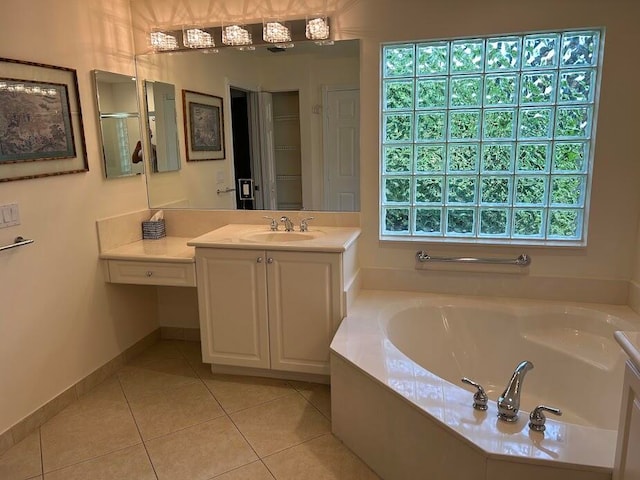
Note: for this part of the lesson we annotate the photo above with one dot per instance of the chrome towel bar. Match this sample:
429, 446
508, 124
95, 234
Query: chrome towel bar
17, 242
226, 190
523, 260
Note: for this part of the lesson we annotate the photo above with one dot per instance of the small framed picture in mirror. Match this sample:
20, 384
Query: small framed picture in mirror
203, 126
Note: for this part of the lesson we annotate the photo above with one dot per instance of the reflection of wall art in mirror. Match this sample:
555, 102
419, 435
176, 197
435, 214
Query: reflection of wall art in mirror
203, 127
40, 119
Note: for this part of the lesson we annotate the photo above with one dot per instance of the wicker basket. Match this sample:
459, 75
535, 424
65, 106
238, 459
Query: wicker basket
153, 230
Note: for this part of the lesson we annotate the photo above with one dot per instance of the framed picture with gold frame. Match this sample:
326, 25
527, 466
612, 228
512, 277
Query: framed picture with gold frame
41, 130
203, 126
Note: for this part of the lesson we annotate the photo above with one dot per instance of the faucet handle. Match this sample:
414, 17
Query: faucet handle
304, 225
537, 418
274, 223
480, 398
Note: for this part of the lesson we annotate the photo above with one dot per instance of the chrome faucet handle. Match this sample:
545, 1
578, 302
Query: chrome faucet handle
274, 223
304, 225
288, 224
480, 398
537, 418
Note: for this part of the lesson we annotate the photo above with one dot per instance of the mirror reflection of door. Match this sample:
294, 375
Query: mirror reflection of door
267, 148
241, 128
162, 134
341, 131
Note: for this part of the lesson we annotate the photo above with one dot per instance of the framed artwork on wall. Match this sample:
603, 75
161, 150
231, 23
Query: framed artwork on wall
41, 130
203, 126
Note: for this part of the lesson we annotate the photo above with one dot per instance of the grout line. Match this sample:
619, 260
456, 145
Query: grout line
144, 445
91, 459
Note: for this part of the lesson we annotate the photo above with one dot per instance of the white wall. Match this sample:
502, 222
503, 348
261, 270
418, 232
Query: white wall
599, 272
59, 321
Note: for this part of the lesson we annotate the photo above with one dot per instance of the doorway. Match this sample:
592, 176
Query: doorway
241, 128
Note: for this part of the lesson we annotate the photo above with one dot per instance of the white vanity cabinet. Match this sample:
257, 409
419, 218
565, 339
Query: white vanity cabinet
168, 261
269, 309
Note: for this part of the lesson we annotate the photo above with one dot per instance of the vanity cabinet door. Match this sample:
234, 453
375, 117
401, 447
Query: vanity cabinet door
233, 306
305, 308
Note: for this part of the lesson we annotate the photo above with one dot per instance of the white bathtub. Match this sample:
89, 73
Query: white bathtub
397, 400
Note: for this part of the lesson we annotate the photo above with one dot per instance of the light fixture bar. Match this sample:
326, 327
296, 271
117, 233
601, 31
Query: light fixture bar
236, 35
197, 38
276, 32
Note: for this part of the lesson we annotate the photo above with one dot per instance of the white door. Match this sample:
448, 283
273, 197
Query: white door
265, 115
342, 149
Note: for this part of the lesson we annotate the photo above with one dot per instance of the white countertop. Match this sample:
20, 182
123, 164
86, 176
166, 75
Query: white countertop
166, 249
239, 236
630, 343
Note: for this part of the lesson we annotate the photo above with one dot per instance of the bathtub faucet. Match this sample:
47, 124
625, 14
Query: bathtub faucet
509, 401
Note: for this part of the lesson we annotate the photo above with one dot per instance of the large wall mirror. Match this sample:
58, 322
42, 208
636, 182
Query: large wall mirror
290, 123
119, 121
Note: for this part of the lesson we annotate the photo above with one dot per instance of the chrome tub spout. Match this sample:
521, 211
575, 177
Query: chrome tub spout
509, 401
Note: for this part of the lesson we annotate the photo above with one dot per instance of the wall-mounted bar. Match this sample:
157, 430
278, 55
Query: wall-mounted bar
226, 190
17, 242
523, 260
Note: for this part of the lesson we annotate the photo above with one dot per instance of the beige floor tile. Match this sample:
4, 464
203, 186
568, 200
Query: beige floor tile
317, 393
161, 375
106, 395
128, 464
23, 460
100, 423
165, 412
191, 351
323, 458
253, 471
200, 452
236, 392
162, 350
280, 424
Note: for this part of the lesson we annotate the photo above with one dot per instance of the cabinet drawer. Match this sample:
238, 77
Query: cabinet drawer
152, 273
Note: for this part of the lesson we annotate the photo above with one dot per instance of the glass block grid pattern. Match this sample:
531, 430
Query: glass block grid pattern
488, 137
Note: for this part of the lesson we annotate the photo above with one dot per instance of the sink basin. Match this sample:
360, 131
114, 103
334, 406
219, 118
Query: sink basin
268, 237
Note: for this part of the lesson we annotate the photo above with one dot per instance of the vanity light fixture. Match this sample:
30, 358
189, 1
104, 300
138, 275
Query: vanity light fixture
276, 32
161, 41
236, 36
317, 28
197, 38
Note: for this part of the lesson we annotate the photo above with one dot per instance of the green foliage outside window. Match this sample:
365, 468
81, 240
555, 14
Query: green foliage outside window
488, 137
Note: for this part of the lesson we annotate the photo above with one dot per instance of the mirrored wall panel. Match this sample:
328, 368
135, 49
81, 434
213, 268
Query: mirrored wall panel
119, 120
290, 124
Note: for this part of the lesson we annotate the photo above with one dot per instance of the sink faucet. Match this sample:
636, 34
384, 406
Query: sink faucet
509, 401
288, 224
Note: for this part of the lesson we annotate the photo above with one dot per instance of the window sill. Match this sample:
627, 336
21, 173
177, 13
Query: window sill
479, 242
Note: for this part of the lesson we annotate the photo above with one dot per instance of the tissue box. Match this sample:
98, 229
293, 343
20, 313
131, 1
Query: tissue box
153, 230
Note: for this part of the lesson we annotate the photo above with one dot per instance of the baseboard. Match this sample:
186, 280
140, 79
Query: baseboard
32, 422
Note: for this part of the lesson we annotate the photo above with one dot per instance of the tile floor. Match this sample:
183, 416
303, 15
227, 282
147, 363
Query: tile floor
166, 416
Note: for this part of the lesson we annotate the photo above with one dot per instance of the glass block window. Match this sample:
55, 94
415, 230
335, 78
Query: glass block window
489, 138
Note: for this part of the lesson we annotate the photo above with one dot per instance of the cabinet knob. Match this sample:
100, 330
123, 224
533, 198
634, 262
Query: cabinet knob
269, 260
149, 273
259, 260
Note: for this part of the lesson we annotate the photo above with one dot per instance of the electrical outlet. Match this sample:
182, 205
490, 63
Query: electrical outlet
9, 215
